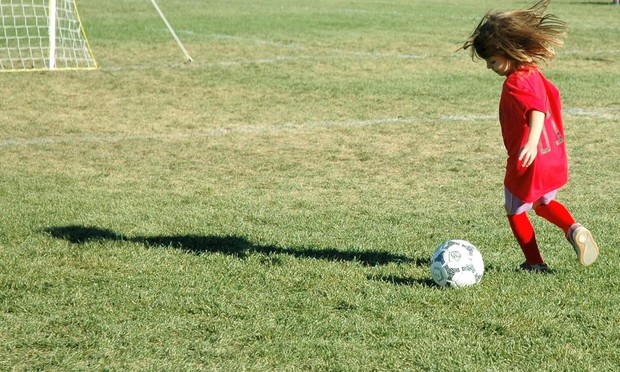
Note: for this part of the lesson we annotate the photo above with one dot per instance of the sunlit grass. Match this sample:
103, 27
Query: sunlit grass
273, 204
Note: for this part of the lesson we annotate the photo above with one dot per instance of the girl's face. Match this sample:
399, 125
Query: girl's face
500, 64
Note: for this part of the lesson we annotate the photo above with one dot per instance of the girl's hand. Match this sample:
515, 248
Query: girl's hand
528, 154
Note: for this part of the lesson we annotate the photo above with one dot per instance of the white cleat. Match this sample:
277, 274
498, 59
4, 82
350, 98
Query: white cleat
584, 244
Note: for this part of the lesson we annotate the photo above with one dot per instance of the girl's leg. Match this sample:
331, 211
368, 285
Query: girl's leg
556, 213
524, 233
522, 228
580, 238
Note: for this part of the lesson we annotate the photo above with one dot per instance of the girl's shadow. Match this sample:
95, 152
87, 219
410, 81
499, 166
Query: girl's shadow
230, 245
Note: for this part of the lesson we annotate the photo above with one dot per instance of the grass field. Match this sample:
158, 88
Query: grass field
273, 204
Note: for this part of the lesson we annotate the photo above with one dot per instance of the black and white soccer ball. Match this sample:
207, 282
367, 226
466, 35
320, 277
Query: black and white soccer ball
457, 263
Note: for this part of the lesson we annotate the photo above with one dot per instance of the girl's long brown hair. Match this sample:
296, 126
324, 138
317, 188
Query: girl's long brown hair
525, 36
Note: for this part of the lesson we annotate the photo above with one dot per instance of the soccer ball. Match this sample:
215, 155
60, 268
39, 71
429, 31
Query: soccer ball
457, 263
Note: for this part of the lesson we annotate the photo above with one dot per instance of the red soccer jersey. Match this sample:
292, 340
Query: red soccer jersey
524, 90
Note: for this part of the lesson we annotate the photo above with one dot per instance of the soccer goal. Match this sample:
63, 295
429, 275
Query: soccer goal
43, 35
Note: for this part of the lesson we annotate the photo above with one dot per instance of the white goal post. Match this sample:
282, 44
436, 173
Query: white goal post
38, 35
188, 58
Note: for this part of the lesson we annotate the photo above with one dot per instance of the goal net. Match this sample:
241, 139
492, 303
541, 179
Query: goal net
42, 35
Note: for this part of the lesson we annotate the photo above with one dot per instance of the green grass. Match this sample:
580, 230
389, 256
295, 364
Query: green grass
273, 204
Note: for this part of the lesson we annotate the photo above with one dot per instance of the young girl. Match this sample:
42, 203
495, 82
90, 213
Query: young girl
513, 43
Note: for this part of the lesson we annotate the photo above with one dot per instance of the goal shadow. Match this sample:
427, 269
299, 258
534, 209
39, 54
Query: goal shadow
228, 244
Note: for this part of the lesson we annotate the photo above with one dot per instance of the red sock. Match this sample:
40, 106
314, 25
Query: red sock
524, 233
557, 214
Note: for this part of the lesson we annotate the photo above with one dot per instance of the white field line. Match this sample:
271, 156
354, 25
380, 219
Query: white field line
301, 47
468, 117
338, 54
248, 129
596, 113
612, 113
334, 54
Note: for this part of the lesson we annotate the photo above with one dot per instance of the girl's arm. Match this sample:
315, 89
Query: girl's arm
530, 150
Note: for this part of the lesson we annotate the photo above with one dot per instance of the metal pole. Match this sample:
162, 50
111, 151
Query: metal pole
174, 35
52, 35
